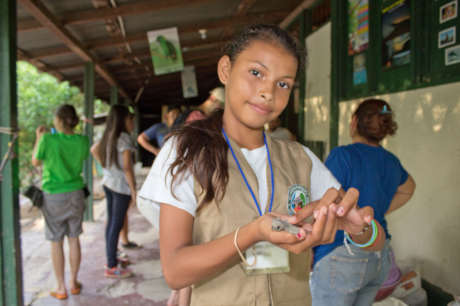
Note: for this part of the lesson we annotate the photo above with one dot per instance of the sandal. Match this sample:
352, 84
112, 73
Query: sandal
130, 245
59, 296
76, 290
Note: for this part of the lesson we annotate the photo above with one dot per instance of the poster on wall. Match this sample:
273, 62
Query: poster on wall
395, 33
189, 86
446, 37
452, 55
358, 26
359, 69
165, 50
448, 11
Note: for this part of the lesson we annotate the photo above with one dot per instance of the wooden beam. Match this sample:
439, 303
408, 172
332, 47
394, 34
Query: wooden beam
91, 15
241, 10
296, 12
44, 16
193, 27
270, 17
24, 56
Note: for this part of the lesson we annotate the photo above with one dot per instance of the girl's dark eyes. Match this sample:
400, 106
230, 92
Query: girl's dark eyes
255, 72
284, 85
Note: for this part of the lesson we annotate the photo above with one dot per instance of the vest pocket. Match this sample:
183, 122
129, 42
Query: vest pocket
347, 273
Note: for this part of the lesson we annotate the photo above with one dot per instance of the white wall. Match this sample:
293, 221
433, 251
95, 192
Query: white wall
317, 98
427, 142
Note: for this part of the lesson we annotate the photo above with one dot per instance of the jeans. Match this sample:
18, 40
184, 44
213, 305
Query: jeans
117, 206
342, 279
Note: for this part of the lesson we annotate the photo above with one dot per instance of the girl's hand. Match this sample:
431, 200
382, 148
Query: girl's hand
356, 219
40, 131
132, 203
320, 232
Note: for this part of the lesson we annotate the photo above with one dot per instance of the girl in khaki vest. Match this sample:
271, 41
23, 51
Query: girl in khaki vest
220, 181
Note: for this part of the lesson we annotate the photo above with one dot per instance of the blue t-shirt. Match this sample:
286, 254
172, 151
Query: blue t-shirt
375, 172
157, 132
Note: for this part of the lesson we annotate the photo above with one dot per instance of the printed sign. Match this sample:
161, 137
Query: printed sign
166, 51
189, 86
395, 33
358, 26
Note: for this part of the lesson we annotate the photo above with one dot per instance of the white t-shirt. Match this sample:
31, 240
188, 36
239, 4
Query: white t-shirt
114, 177
156, 187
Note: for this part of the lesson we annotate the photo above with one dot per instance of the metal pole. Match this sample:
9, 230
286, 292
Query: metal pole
11, 288
89, 113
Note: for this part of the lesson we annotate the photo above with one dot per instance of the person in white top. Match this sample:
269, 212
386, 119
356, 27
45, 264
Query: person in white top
258, 70
115, 153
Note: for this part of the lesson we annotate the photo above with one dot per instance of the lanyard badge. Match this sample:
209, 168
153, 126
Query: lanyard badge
263, 257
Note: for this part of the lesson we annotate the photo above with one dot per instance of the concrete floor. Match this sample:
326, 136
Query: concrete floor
147, 287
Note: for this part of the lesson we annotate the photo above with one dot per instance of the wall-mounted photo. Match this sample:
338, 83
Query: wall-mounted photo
448, 11
396, 33
166, 51
447, 37
452, 55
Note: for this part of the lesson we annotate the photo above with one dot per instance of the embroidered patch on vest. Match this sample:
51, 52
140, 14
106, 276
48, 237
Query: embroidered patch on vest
298, 198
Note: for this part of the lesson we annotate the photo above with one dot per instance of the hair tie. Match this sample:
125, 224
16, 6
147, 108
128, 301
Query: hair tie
385, 110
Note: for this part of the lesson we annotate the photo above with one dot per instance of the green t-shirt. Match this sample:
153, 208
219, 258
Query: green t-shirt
62, 156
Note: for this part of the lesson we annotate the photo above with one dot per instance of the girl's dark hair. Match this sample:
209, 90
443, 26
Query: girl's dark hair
114, 126
375, 120
67, 115
201, 148
267, 33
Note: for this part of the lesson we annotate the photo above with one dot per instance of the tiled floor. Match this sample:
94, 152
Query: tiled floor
146, 288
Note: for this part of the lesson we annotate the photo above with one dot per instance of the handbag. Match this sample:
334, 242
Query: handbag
86, 191
35, 194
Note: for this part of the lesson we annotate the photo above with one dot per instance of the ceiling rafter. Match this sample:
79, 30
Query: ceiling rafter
241, 10
44, 16
24, 56
91, 15
192, 27
139, 36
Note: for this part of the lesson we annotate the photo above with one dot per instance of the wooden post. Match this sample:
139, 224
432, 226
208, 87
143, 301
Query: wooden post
338, 13
113, 95
10, 248
89, 113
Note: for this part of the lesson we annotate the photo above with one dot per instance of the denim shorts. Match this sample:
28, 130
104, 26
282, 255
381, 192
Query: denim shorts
63, 213
343, 279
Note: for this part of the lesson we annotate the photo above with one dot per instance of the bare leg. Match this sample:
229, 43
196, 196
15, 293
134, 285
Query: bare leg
58, 260
75, 260
173, 298
124, 231
184, 296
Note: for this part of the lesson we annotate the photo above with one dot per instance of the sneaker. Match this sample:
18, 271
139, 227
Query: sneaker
131, 245
118, 272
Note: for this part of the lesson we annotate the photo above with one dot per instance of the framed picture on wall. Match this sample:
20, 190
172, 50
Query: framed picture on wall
452, 55
446, 37
448, 11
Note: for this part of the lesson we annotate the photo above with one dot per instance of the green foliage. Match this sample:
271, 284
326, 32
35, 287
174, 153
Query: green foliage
39, 95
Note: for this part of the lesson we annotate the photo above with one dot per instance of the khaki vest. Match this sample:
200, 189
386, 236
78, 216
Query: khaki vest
291, 165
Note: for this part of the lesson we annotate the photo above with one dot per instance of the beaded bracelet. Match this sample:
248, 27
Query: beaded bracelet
375, 232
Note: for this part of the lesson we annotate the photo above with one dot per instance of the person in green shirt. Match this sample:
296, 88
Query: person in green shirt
62, 155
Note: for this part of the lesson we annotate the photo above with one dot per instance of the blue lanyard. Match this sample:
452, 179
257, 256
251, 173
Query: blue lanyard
244, 177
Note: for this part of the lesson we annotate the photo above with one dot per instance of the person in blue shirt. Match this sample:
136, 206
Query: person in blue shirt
342, 273
152, 139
